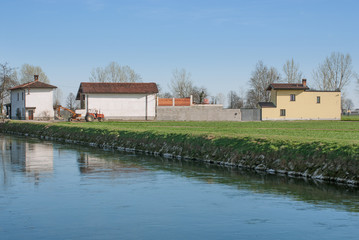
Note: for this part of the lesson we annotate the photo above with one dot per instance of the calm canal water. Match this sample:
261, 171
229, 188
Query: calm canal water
55, 191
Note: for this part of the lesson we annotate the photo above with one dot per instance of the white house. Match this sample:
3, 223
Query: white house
119, 101
32, 101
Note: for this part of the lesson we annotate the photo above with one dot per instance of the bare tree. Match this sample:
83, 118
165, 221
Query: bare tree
219, 99
334, 73
199, 94
131, 75
71, 102
347, 104
234, 100
98, 75
181, 84
291, 72
163, 94
57, 97
261, 78
8, 79
252, 98
28, 71
114, 73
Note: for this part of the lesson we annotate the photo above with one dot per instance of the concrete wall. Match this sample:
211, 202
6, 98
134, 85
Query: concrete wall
198, 113
250, 114
123, 106
305, 106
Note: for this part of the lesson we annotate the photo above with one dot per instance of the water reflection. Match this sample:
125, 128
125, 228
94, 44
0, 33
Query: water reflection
35, 160
96, 164
32, 158
319, 193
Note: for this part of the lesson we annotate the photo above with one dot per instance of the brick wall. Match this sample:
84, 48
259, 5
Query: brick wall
174, 102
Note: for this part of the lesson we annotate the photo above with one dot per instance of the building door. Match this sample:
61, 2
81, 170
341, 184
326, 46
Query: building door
31, 114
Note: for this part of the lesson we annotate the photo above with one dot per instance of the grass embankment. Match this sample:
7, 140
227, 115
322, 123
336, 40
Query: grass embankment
350, 118
314, 148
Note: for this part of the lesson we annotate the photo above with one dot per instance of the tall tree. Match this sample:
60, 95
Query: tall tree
71, 101
291, 72
234, 100
8, 79
113, 72
181, 84
261, 78
28, 71
98, 75
252, 98
334, 73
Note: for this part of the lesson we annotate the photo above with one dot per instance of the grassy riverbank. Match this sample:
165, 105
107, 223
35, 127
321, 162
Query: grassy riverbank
313, 148
339, 132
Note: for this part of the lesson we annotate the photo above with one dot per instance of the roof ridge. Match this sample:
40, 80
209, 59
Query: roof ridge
37, 84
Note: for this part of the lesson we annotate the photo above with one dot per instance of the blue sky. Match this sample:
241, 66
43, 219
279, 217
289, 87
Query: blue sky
218, 41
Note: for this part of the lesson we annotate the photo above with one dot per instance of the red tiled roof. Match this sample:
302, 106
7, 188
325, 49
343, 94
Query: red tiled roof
287, 86
33, 84
122, 88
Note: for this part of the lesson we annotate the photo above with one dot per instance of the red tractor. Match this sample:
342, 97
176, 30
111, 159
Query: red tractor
92, 116
89, 117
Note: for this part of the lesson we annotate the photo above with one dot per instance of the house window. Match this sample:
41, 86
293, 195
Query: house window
282, 112
22, 95
292, 97
18, 96
318, 99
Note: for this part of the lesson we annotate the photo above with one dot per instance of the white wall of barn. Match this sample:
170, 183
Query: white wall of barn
43, 100
123, 106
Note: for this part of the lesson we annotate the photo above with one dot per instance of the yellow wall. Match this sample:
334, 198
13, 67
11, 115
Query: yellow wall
305, 106
273, 97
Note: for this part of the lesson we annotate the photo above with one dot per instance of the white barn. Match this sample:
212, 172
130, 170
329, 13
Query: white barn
32, 101
119, 101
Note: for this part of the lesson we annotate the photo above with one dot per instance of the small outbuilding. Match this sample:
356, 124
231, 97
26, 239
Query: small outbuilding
119, 101
32, 101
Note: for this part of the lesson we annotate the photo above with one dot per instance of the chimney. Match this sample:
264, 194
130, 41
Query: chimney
304, 82
36, 78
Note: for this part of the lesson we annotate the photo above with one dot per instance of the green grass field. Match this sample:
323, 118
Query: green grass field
350, 118
342, 132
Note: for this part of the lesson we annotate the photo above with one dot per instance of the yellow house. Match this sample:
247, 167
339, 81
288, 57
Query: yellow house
295, 101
